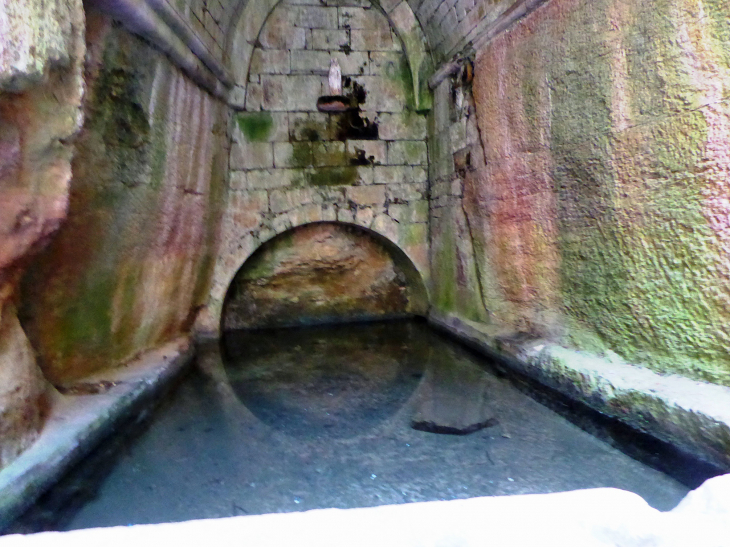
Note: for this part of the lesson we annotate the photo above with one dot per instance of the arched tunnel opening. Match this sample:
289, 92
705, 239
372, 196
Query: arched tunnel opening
324, 272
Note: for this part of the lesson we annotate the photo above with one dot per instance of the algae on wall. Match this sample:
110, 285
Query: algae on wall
605, 128
131, 264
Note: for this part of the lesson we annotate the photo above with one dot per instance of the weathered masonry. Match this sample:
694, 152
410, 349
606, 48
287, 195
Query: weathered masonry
546, 179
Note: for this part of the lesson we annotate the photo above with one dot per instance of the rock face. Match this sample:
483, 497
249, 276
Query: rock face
131, 264
322, 273
595, 211
41, 87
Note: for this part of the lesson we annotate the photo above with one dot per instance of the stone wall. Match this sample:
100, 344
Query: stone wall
131, 264
323, 273
292, 165
209, 19
41, 87
598, 215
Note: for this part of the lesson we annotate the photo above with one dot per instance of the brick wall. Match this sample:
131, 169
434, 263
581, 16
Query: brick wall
291, 164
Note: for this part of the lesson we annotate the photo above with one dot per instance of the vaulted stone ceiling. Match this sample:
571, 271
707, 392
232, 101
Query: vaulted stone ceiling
449, 25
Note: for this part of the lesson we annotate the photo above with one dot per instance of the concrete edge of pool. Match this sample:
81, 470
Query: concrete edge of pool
690, 415
580, 518
78, 423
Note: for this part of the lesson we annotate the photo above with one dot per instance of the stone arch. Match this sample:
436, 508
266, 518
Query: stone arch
370, 247
250, 18
230, 259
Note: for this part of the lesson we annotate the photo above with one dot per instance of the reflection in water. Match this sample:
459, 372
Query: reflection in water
322, 417
337, 381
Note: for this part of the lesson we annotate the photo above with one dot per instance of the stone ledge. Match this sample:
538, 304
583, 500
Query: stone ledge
691, 415
601, 517
77, 423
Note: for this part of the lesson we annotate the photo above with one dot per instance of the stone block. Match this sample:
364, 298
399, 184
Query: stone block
288, 199
418, 175
238, 180
389, 5
310, 126
407, 153
346, 214
306, 214
409, 212
237, 97
290, 93
310, 62
403, 18
385, 226
329, 154
405, 192
278, 32
254, 96
329, 39
373, 151
364, 216
348, 3
411, 235
331, 195
261, 126
357, 63
270, 61
383, 95
283, 155
281, 223
267, 179
298, 155
387, 174
313, 17
440, 188
364, 175
405, 125
303, 92
248, 209
274, 93
366, 195
386, 63
329, 212
364, 19
374, 40
457, 135
251, 155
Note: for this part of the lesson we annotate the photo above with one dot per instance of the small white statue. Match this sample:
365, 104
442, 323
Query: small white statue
335, 78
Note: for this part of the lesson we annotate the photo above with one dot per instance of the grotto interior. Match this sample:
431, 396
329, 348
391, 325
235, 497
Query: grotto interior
546, 182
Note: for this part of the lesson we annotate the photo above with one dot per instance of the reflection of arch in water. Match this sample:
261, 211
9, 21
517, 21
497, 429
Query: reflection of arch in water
341, 381
323, 272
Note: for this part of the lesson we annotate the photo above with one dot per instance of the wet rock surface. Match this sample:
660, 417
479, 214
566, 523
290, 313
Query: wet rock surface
250, 437
322, 273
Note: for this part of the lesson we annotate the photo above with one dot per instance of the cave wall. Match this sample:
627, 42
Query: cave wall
597, 215
130, 265
291, 164
41, 87
323, 273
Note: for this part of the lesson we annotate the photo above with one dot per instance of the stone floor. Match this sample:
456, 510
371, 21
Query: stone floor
317, 418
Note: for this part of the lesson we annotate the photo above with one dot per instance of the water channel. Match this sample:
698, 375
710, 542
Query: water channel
298, 419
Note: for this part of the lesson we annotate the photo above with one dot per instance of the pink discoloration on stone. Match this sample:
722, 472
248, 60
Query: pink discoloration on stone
514, 189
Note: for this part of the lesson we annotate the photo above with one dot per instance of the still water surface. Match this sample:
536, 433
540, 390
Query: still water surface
298, 419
